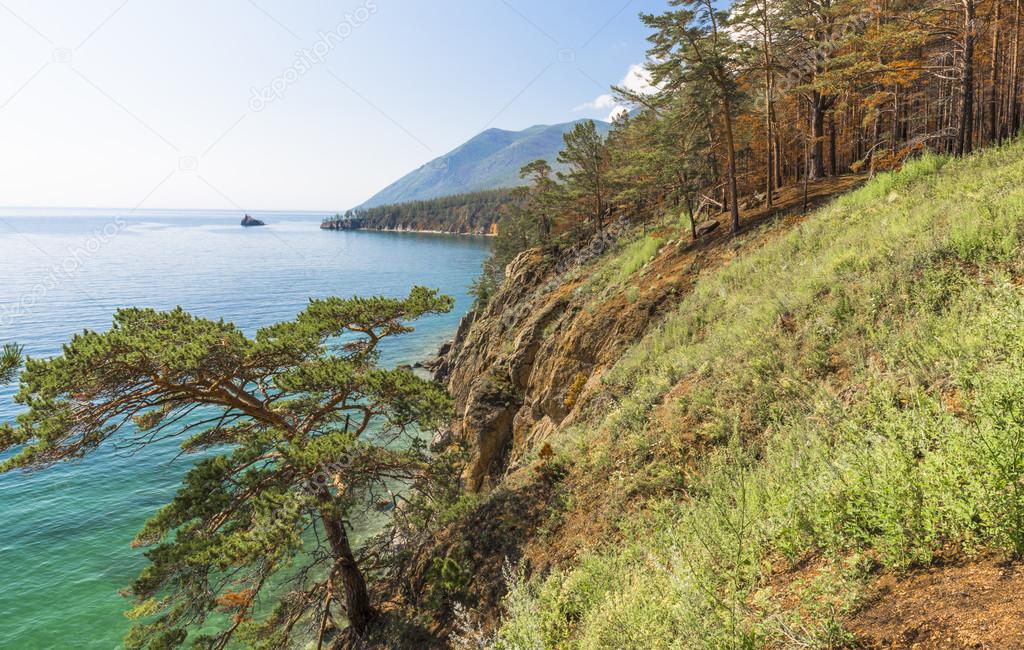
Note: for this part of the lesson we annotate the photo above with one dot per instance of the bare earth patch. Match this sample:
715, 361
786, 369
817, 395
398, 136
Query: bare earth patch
976, 605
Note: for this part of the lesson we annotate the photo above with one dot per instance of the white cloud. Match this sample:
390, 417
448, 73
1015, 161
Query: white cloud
637, 80
599, 103
616, 112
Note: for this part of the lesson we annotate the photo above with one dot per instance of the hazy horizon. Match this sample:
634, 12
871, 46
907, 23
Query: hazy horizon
259, 105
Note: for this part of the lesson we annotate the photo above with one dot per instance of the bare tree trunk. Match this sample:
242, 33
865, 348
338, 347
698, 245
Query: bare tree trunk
780, 176
951, 108
715, 172
730, 147
807, 171
358, 608
769, 101
993, 105
693, 215
817, 166
965, 137
894, 132
769, 164
832, 165
876, 134
1013, 119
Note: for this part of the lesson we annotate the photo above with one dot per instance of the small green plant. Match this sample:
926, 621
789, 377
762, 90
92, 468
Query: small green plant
635, 256
447, 574
1000, 442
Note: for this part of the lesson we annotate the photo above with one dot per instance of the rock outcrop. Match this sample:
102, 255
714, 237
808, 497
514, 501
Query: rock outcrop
529, 362
521, 368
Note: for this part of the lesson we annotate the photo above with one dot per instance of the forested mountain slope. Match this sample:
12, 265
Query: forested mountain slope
487, 161
476, 213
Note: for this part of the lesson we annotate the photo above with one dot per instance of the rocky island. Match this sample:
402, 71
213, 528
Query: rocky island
248, 222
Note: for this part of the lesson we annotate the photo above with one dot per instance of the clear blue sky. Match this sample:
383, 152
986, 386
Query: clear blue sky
283, 104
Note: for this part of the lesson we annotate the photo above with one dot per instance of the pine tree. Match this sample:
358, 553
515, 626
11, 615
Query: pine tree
543, 197
587, 159
294, 431
691, 47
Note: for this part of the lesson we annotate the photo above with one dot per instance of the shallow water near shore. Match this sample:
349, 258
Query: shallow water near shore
65, 531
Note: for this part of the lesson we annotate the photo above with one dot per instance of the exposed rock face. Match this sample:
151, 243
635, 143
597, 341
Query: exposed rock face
248, 222
520, 369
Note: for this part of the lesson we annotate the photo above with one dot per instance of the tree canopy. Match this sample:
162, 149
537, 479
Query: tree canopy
10, 361
295, 427
746, 97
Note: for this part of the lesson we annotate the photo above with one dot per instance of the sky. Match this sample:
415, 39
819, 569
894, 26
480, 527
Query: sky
285, 104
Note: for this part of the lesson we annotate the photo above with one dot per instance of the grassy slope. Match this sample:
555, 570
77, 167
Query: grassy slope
856, 387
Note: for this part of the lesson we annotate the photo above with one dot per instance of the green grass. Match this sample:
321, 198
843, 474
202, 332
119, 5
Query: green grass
858, 387
621, 265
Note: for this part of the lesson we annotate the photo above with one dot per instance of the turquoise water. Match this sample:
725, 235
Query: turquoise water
65, 531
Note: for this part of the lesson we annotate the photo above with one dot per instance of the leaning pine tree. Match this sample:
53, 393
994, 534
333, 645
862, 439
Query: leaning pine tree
294, 434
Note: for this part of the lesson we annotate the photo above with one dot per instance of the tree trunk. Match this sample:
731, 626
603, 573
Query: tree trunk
993, 101
1013, 118
780, 175
807, 171
832, 165
719, 187
693, 215
769, 164
894, 132
357, 599
876, 134
965, 137
949, 112
769, 83
817, 167
730, 147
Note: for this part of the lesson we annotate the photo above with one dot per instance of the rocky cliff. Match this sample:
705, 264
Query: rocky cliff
530, 374
530, 361
522, 366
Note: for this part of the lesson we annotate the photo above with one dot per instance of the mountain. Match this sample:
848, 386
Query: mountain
487, 161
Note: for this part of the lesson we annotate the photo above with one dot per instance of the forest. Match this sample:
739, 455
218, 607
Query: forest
473, 213
746, 99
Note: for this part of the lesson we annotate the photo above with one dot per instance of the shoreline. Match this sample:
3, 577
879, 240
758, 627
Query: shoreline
414, 231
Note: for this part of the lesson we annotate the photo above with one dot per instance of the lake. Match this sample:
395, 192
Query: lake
65, 531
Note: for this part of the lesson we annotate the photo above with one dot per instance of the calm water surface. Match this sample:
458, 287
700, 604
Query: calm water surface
65, 531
